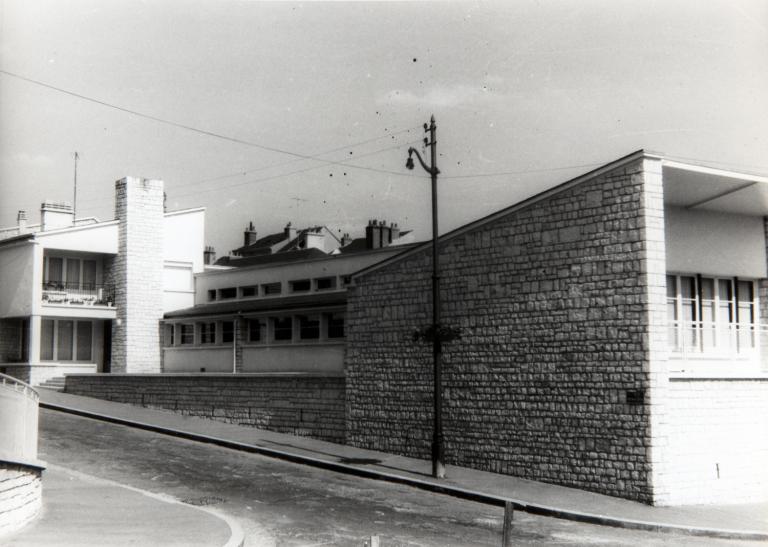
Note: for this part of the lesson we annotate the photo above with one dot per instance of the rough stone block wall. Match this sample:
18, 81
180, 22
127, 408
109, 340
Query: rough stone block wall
718, 442
20, 496
10, 340
137, 272
549, 379
305, 405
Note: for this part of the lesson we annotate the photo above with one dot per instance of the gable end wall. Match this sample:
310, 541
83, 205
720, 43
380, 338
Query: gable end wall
552, 302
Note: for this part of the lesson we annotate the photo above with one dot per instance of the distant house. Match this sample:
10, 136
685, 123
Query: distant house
612, 337
80, 295
278, 309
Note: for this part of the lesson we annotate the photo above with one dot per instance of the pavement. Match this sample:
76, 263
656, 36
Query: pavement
743, 521
81, 510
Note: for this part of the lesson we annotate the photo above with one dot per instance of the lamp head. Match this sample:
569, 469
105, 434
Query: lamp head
409, 162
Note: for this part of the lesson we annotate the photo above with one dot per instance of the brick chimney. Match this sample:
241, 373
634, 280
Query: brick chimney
209, 255
21, 221
290, 231
55, 215
345, 240
249, 235
394, 232
373, 235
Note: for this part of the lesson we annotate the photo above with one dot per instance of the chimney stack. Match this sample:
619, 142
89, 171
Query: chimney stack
55, 215
250, 235
345, 240
394, 232
290, 232
209, 255
21, 221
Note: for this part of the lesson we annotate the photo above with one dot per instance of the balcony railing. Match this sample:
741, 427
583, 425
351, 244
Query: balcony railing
695, 339
78, 294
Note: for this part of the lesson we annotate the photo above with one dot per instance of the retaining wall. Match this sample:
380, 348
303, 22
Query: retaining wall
20, 496
309, 405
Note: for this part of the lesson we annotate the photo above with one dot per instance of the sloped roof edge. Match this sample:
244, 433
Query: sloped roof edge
637, 154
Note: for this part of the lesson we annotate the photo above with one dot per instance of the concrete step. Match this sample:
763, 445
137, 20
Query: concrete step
56, 383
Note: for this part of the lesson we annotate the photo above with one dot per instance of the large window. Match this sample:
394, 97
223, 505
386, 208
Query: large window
256, 329
69, 273
66, 340
227, 331
187, 335
309, 327
711, 315
335, 323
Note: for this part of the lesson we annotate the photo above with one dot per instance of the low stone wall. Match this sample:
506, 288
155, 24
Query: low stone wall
309, 405
20, 496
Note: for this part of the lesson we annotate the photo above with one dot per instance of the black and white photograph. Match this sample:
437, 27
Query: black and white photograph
383, 273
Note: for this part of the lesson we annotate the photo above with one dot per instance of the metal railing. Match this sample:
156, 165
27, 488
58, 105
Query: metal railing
9, 382
709, 339
78, 294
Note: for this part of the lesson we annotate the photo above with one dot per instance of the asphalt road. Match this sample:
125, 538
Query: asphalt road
283, 504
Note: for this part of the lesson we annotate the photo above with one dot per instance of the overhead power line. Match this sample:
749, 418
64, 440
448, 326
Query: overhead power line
168, 122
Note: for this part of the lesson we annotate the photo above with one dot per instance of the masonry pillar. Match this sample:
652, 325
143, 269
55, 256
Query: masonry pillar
33, 340
138, 276
654, 267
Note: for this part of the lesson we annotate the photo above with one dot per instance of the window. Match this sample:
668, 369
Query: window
89, 274
326, 283
73, 274
283, 328
54, 278
227, 331
300, 285
168, 338
270, 289
309, 327
255, 330
207, 333
211, 295
84, 340
66, 340
46, 340
250, 291
187, 334
229, 292
335, 323
708, 315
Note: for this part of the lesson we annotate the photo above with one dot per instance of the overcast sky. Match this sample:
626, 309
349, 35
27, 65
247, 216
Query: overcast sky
526, 95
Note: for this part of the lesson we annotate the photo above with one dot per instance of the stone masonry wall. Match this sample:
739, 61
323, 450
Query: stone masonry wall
549, 379
20, 496
306, 405
137, 272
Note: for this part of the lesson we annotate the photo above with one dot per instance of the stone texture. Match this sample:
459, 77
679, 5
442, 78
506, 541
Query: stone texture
137, 272
20, 496
311, 406
10, 340
553, 302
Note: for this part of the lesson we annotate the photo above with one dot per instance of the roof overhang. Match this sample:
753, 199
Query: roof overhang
706, 189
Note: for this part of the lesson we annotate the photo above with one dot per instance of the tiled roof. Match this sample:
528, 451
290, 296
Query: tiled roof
291, 256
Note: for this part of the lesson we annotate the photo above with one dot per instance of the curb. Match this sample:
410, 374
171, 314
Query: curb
449, 490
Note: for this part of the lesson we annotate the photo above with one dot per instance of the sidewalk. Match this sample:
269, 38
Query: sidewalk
80, 510
746, 521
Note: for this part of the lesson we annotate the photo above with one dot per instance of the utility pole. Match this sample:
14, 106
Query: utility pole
74, 201
438, 452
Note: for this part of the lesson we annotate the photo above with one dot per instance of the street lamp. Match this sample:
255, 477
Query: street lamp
438, 460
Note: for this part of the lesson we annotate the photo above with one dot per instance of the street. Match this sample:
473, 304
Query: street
285, 504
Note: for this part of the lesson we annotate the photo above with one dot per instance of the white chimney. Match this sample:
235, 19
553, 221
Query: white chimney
21, 221
55, 215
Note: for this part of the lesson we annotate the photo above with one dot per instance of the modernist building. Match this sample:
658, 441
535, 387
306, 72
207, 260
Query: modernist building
611, 338
87, 296
278, 309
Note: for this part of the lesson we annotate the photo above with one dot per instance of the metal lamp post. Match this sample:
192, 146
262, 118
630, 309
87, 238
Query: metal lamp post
438, 460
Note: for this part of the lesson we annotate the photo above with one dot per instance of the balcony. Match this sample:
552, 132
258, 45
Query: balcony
694, 340
78, 294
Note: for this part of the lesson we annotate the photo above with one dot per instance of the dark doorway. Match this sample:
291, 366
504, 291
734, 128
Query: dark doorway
107, 367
